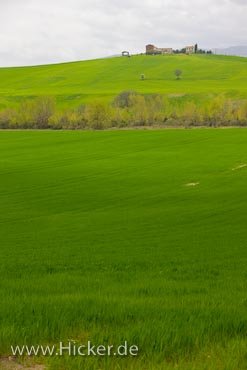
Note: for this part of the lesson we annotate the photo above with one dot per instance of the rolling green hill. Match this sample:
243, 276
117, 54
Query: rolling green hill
73, 83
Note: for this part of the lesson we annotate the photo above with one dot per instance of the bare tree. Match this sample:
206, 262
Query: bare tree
43, 109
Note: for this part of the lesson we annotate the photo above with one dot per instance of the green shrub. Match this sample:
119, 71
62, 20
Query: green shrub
25, 115
58, 121
138, 110
67, 120
120, 118
241, 113
97, 116
8, 118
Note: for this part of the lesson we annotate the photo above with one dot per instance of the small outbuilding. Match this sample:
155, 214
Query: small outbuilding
125, 53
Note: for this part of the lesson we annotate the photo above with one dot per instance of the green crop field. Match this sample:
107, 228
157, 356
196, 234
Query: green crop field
79, 82
136, 236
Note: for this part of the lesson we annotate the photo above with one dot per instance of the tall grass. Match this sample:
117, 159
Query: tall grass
102, 240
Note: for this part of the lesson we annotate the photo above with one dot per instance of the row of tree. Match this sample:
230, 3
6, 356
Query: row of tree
128, 109
197, 51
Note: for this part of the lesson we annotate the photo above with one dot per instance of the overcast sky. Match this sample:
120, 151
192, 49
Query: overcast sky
47, 31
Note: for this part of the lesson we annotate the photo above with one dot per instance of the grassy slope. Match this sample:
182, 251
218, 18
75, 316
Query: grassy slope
111, 245
73, 83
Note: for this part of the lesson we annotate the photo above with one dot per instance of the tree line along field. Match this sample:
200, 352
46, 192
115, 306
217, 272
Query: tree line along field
126, 235
83, 82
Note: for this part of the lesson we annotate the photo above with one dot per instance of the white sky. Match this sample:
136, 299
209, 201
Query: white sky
47, 31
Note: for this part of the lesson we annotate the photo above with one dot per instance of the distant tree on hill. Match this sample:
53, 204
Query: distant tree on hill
143, 76
196, 48
178, 73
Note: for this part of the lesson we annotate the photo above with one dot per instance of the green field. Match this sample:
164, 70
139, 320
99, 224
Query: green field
103, 239
79, 82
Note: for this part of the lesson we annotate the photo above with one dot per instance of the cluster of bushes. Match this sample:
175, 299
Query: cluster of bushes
30, 114
128, 109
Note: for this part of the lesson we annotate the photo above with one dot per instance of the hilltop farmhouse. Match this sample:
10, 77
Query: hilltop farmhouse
190, 49
151, 49
154, 50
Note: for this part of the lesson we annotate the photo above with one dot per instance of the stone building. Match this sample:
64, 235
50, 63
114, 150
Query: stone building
153, 50
190, 49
